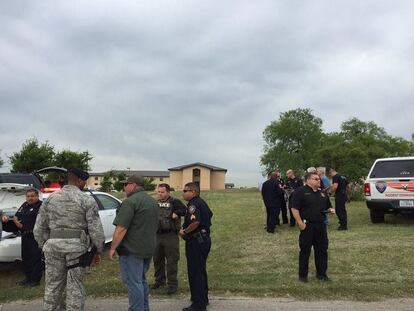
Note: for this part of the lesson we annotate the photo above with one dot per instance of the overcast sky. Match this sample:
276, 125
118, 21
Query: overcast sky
156, 84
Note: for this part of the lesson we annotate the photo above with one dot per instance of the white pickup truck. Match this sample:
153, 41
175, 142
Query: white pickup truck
389, 187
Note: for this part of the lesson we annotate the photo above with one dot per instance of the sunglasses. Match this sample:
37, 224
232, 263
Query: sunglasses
186, 190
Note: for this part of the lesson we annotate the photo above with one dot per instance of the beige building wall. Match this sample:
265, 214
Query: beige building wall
176, 180
94, 181
217, 180
204, 176
161, 180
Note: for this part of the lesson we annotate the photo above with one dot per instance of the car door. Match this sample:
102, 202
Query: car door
107, 211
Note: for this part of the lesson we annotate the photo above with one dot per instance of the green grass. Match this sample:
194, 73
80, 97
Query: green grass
369, 262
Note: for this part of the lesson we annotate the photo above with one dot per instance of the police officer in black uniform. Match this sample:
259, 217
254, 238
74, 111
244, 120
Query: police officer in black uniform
24, 221
340, 188
196, 233
283, 207
309, 206
272, 193
292, 183
167, 247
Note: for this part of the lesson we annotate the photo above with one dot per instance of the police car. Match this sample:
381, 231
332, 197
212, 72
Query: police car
13, 195
389, 187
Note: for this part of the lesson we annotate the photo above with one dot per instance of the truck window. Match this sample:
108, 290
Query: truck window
21, 179
393, 169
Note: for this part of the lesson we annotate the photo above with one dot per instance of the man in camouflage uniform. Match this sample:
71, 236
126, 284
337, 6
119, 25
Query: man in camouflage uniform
167, 247
67, 225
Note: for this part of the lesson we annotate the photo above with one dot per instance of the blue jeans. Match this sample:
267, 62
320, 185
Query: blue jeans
133, 270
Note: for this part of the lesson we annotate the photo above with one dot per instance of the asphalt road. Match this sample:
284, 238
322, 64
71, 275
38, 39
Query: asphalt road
231, 304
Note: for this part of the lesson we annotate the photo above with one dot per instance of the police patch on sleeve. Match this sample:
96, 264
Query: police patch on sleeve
192, 209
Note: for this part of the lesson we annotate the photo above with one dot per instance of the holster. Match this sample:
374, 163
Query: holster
199, 237
86, 259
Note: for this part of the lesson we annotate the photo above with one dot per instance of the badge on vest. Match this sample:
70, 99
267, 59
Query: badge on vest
192, 209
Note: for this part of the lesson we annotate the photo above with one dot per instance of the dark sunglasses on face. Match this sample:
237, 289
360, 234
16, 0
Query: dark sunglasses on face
186, 190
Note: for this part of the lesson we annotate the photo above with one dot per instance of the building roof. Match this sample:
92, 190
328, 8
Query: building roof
211, 167
91, 174
136, 172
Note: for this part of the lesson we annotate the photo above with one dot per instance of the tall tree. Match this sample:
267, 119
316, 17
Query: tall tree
117, 184
149, 184
68, 159
106, 184
33, 156
353, 150
291, 141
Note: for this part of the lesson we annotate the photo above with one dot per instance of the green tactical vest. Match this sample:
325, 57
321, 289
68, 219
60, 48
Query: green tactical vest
165, 221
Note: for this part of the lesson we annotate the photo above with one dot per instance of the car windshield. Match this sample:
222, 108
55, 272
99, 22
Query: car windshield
393, 169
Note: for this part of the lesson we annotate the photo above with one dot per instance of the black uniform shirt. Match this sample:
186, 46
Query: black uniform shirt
312, 205
294, 183
198, 210
272, 192
342, 183
27, 213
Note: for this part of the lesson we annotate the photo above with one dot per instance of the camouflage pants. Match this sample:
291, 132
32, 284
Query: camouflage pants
167, 249
58, 277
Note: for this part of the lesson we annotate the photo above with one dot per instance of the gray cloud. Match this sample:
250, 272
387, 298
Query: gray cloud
160, 84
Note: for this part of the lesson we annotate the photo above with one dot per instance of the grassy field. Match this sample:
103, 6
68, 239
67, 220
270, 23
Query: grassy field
369, 262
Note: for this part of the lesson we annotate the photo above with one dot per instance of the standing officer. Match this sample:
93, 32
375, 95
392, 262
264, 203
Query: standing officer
292, 183
309, 206
340, 188
167, 247
272, 194
283, 207
196, 233
67, 224
24, 221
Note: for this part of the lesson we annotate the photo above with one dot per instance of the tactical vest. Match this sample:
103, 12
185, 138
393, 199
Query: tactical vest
166, 223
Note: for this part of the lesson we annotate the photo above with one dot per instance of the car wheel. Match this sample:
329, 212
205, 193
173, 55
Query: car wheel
376, 216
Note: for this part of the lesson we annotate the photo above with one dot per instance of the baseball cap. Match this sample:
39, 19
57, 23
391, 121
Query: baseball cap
136, 179
79, 173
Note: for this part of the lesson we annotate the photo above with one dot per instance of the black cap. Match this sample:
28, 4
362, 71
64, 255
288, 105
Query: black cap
79, 173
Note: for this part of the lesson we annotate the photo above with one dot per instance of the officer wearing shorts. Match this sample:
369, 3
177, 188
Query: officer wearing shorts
309, 206
196, 233
167, 247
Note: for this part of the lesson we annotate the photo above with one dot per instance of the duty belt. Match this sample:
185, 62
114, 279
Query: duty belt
65, 234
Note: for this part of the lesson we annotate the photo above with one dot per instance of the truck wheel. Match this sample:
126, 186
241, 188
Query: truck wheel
376, 216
